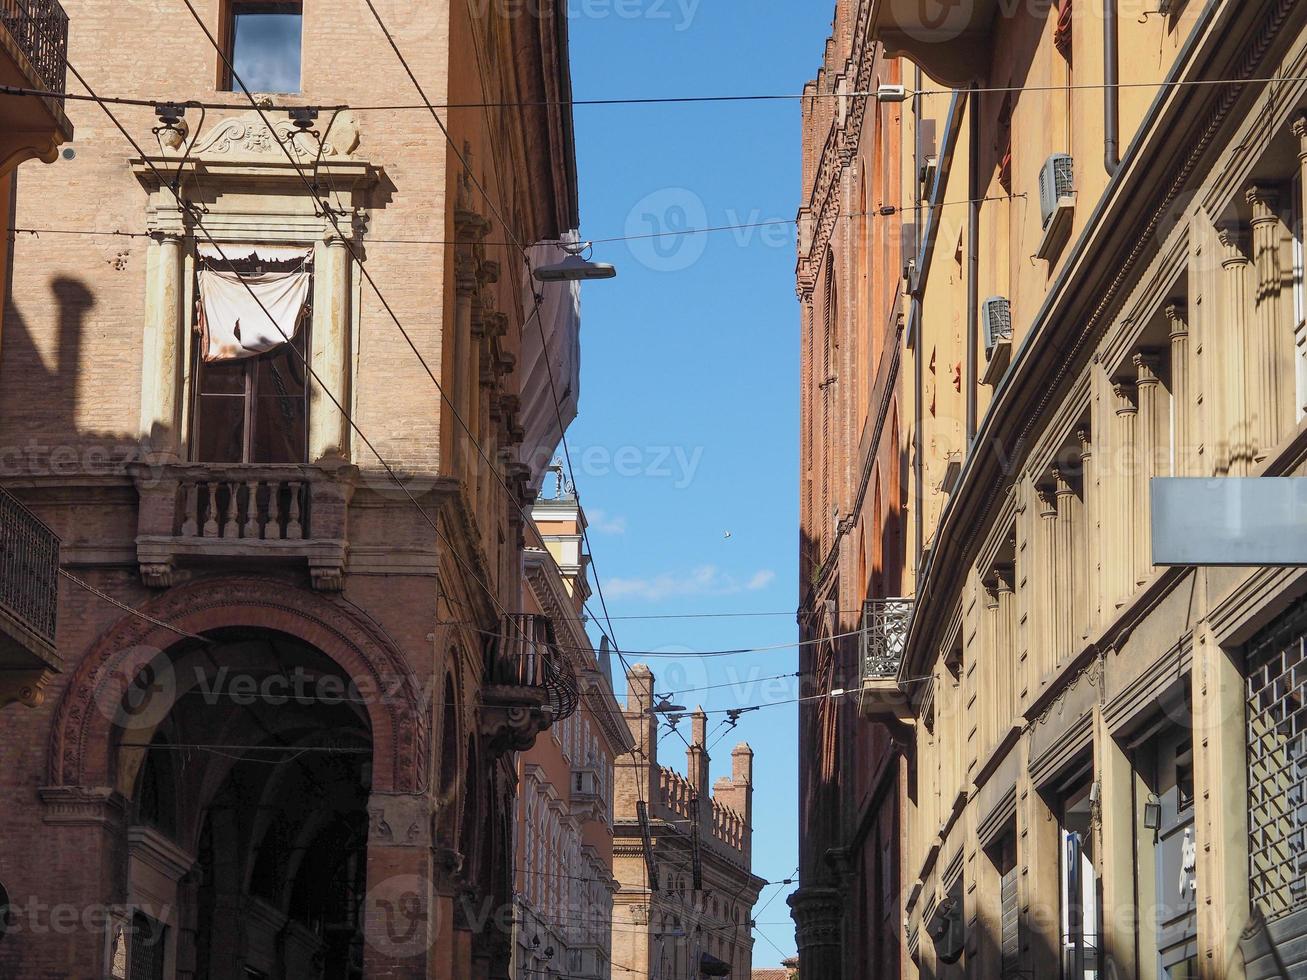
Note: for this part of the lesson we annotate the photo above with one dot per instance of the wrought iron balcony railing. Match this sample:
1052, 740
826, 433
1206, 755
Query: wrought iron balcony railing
527, 655
884, 635
29, 569
40, 27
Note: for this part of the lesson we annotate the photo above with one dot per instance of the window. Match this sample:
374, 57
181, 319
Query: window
263, 46
254, 409
1079, 888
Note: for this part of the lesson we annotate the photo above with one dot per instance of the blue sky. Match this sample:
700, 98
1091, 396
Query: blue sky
688, 426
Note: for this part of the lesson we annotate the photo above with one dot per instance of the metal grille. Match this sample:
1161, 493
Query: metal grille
884, 634
41, 29
528, 656
29, 568
148, 945
1277, 767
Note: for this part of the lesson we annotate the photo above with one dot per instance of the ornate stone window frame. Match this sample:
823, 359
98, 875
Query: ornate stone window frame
237, 185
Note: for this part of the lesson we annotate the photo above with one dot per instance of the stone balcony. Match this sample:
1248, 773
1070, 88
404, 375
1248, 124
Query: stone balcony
949, 39
208, 514
33, 54
882, 639
29, 590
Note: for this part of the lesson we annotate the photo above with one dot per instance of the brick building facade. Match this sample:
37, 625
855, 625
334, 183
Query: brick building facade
682, 852
294, 681
852, 775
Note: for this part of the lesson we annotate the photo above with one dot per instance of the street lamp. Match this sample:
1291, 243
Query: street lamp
574, 268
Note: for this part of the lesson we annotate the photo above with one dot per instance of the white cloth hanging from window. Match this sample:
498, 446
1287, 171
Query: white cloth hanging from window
238, 322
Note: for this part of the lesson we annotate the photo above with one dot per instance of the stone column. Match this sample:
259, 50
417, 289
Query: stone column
400, 919
330, 356
1126, 456
1221, 804
161, 368
1047, 637
1005, 654
1090, 542
1116, 864
1300, 327
818, 912
458, 379
1149, 427
988, 687
1066, 599
1184, 452
1269, 349
1233, 414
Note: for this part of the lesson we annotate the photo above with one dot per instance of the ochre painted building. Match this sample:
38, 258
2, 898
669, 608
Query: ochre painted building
1102, 284
564, 828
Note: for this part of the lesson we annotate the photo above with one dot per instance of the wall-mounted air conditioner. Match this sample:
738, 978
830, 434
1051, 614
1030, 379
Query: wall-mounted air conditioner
996, 322
1056, 183
1057, 203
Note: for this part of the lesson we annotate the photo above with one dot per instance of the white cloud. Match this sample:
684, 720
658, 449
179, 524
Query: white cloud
601, 522
705, 580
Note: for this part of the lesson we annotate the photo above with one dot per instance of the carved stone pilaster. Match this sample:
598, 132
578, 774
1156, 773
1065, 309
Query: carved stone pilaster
1233, 425
1269, 351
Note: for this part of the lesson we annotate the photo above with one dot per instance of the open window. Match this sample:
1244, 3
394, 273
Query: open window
253, 319
263, 45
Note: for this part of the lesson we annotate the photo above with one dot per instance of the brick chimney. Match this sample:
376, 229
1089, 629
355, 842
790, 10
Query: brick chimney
737, 791
636, 773
696, 765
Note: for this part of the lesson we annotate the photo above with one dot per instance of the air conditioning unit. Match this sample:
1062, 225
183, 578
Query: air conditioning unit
996, 318
1056, 182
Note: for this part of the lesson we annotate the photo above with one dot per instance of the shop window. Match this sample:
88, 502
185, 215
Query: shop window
1080, 911
250, 400
263, 46
1277, 769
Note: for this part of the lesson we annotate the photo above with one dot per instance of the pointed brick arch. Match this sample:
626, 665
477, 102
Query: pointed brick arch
80, 751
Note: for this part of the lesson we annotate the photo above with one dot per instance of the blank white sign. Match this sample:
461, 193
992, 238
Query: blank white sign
1230, 521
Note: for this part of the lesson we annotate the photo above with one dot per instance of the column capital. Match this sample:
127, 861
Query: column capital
1232, 237
1124, 392
1264, 201
1085, 437
1047, 497
1177, 316
1061, 485
1299, 129
1146, 362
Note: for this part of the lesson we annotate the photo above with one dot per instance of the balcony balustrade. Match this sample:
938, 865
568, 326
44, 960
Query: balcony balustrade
882, 641
529, 683
195, 513
29, 589
40, 30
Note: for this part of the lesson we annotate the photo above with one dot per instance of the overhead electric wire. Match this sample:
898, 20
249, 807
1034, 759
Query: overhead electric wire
886, 211
144, 102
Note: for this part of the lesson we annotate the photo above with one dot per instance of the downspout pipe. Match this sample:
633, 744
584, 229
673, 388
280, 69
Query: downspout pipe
914, 320
973, 267
1111, 87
